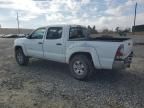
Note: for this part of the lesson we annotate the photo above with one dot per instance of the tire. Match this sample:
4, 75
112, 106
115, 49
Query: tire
21, 58
81, 67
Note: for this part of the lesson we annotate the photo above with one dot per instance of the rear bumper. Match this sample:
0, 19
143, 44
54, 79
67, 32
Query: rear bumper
118, 65
122, 64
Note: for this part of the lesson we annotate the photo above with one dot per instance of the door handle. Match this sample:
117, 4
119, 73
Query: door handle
58, 44
40, 43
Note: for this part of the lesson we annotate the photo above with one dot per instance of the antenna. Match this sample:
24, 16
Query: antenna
18, 23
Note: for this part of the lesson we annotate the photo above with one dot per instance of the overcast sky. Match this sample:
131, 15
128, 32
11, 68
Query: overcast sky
102, 13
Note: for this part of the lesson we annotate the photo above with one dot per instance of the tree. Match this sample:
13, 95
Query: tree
105, 30
127, 30
117, 29
89, 27
92, 29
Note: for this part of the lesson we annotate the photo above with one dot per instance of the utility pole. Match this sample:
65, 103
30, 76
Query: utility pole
0, 29
18, 23
135, 17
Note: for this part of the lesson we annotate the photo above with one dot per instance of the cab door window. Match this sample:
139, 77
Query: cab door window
38, 34
76, 33
54, 33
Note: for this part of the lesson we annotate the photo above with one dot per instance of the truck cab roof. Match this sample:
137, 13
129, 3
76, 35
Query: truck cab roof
64, 25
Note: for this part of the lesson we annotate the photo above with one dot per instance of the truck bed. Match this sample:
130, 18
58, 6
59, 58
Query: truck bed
102, 38
108, 39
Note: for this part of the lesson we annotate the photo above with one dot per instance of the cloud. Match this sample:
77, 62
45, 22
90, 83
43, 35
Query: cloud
106, 13
55, 17
28, 17
39, 7
117, 11
111, 22
19, 5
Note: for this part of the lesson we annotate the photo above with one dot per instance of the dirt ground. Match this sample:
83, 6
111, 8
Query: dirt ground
45, 84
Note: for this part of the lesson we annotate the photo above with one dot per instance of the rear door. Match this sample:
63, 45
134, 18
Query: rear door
54, 46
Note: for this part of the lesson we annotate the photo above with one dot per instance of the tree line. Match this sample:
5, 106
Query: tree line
118, 30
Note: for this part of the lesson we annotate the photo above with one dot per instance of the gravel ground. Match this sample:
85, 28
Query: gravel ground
45, 84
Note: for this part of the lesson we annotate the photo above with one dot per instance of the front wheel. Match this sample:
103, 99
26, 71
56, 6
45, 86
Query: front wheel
81, 67
20, 57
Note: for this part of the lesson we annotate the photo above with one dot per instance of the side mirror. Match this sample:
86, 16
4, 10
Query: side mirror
28, 36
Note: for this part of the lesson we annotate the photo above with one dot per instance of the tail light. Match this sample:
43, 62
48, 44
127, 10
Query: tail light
120, 53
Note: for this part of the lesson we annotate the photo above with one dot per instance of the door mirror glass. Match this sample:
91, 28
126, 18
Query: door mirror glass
27, 36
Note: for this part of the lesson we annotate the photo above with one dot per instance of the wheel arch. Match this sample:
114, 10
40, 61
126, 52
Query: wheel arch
19, 46
87, 54
91, 53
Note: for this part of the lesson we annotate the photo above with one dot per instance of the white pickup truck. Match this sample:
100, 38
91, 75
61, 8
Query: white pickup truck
72, 44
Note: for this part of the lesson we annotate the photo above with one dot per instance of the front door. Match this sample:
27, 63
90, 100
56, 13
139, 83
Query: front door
34, 44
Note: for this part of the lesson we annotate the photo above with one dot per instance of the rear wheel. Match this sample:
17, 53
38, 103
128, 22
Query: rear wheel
20, 57
81, 67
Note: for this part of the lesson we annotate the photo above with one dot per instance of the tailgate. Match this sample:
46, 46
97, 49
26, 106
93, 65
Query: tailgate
128, 47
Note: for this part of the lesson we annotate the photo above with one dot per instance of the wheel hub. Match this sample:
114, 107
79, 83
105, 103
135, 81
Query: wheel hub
79, 67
